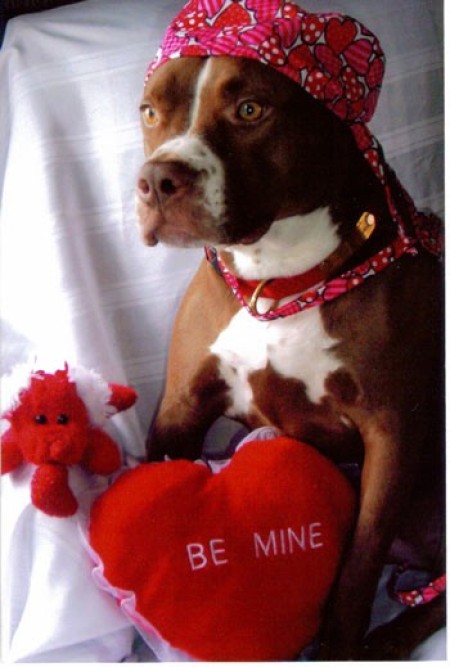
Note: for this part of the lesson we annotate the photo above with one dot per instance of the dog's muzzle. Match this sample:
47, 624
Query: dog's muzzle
180, 193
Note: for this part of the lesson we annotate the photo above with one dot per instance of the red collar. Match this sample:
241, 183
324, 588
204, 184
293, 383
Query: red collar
272, 288
314, 287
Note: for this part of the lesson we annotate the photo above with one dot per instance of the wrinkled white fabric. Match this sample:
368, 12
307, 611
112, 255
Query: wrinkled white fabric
51, 609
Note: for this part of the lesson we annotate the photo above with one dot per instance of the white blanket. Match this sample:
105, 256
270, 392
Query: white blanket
78, 285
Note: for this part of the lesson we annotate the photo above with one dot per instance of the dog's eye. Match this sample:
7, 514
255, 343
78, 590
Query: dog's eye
249, 111
149, 115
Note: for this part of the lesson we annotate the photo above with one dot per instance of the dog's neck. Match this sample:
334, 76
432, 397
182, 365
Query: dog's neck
291, 246
308, 247
296, 244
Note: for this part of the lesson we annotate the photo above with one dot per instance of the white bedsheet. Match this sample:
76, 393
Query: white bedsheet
78, 285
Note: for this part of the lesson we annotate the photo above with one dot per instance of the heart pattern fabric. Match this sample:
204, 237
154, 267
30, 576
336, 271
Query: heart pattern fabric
234, 565
268, 31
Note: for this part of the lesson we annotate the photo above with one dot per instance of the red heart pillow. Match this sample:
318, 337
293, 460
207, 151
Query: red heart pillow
230, 566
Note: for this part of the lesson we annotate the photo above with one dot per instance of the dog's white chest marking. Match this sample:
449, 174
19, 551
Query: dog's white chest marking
296, 347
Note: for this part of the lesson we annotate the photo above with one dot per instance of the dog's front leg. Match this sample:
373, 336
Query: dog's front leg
195, 395
390, 465
187, 411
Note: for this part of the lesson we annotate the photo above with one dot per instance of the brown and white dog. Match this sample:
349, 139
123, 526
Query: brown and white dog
241, 158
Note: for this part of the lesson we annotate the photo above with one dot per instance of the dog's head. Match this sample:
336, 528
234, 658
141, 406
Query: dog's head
231, 146
264, 121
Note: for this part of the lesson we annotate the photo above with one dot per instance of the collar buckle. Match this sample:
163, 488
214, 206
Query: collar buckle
253, 301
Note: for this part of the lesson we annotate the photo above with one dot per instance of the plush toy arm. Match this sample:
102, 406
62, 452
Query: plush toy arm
122, 397
12, 457
102, 455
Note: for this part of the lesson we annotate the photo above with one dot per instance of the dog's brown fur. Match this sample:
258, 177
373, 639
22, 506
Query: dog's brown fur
389, 386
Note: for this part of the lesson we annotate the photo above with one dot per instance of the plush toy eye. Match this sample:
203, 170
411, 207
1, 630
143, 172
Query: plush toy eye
63, 419
250, 111
149, 115
41, 419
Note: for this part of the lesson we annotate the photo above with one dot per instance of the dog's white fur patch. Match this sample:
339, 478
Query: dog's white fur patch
193, 151
291, 246
296, 347
202, 81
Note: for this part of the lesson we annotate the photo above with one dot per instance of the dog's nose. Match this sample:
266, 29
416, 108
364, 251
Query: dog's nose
164, 180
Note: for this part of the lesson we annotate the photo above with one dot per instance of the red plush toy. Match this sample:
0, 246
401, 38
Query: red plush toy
55, 422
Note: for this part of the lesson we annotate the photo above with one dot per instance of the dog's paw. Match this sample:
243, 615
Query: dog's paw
384, 643
336, 651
